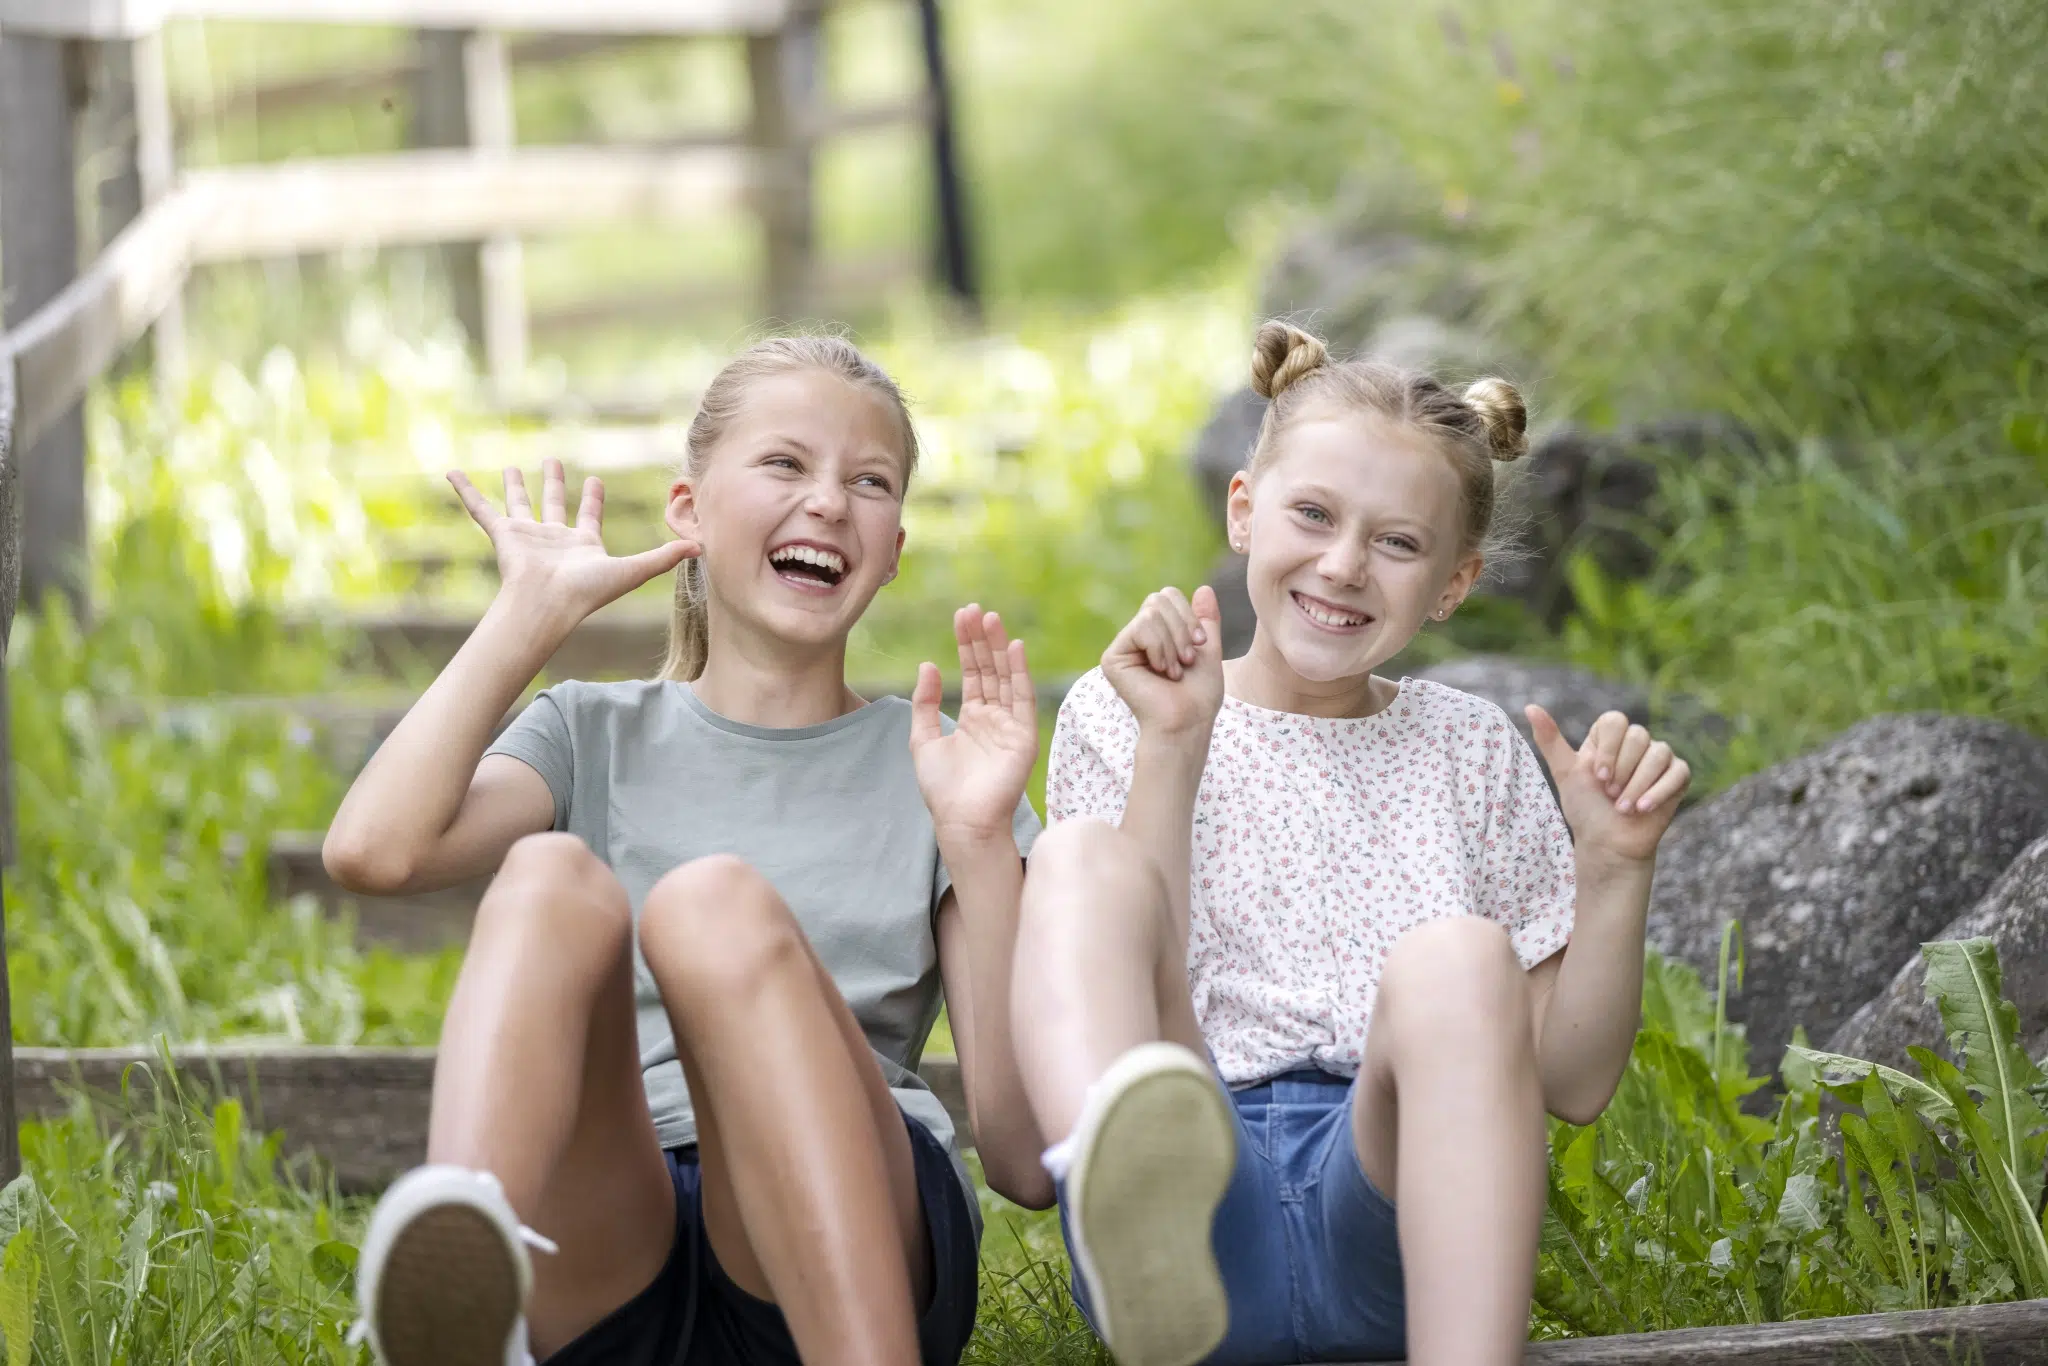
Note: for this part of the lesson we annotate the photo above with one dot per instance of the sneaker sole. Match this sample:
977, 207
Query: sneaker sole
449, 1295
1161, 1159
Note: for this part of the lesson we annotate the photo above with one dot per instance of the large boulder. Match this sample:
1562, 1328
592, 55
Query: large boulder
2013, 915
1574, 698
1841, 862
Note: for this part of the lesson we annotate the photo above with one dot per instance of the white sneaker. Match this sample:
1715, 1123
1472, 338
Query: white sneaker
443, 1276
1150, 1160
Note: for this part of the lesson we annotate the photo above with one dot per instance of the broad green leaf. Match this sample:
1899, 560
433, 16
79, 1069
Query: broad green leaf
1964, 981
1844, 1075
1799, 1209
20, 1274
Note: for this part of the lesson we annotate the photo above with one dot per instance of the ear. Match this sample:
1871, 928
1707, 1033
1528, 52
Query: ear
896, 560
1462, 578
681, 513
1237, 513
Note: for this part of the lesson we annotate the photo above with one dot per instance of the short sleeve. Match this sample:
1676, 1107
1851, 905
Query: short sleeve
1528, 882
1080, 781
539, 738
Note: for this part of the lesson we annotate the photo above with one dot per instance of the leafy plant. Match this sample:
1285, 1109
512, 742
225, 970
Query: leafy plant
1943, 1172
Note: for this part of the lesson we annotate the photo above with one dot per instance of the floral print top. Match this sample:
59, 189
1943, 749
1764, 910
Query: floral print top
1318, 841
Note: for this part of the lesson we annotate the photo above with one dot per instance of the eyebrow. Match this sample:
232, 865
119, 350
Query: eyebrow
780, 440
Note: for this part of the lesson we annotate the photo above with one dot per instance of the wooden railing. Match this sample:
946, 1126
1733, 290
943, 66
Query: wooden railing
66, 324
472, 187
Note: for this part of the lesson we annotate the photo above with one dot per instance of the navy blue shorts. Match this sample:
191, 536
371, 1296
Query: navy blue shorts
693, 1314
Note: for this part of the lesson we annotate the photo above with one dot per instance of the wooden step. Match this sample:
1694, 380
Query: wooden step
363, 1111
619, 642
416, 923
1987, 1335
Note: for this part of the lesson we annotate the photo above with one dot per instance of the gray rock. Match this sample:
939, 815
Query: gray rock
1841, 862
2014, 915
1225, 446
1573, 697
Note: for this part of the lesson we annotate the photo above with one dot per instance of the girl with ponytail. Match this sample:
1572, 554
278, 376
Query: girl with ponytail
1307, 953
681, 1056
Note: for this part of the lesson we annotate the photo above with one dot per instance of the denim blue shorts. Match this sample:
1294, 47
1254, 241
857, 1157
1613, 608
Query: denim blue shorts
693, 1314
1310, 1255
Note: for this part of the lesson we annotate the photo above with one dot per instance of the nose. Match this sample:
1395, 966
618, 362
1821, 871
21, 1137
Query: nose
826, 500
1344, 563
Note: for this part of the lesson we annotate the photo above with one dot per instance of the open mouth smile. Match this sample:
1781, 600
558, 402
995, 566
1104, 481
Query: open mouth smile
810, 567
1328, 616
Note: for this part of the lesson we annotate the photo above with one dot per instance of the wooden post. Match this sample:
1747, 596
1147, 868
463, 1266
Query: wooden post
132, 127
41, 89
10, 567
783, 70
464, 99
953, 249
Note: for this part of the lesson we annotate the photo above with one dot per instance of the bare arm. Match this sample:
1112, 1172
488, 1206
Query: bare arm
1167, 665
425, 813
1619, 791
972, 781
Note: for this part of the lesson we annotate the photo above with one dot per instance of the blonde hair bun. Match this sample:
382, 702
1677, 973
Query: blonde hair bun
1281, 355
1499, 405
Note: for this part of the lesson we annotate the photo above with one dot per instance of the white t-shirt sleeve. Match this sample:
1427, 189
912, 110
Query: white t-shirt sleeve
1080, 780
1528, 881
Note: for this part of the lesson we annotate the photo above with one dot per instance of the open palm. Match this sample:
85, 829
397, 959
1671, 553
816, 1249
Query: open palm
973, 777
552, 559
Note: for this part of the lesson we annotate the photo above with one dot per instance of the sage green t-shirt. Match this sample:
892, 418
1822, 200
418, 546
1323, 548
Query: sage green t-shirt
650, 778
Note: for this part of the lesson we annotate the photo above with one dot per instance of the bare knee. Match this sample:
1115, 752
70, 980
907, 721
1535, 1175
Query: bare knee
1451, 983
552, 886
1090, 872
715, 931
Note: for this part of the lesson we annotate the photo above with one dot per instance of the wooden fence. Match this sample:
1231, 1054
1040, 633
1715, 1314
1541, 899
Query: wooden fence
468, 184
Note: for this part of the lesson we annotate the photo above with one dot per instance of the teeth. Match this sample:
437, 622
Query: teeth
804, 554
1328, 618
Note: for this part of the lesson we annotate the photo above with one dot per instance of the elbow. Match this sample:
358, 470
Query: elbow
359, 865
1021, 1183
1582, 1105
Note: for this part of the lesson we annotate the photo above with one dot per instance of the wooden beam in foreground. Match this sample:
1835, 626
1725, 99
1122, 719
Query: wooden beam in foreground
361, 1110
1982, 1335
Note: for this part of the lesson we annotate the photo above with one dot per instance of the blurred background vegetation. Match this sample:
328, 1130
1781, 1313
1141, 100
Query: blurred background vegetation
1824, 221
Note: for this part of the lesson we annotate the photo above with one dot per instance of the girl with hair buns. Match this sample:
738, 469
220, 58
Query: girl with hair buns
1350, 900
684, 1041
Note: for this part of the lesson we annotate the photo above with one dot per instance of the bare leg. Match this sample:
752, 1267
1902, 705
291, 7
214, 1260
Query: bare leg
538, 1082
1449, 1117
1097, 968
808, 1176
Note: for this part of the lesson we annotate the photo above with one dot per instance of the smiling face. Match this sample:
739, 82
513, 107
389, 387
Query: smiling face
799, 509
1354, 530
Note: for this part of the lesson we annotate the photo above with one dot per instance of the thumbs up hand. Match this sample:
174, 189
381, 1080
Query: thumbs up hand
1619, 789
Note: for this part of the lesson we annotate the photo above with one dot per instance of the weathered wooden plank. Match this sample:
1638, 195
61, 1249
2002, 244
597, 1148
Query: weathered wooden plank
41, 90
133, 18
361, 1110
70, 341
463, 98
131, 122
100, 19
10, 537
783, 73
618, 642
952, 246
1983, 1335
320, 89
831, 288
424, 197
585, 16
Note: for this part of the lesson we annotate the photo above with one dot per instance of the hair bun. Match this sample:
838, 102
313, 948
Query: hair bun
1281, 354
1499, 405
